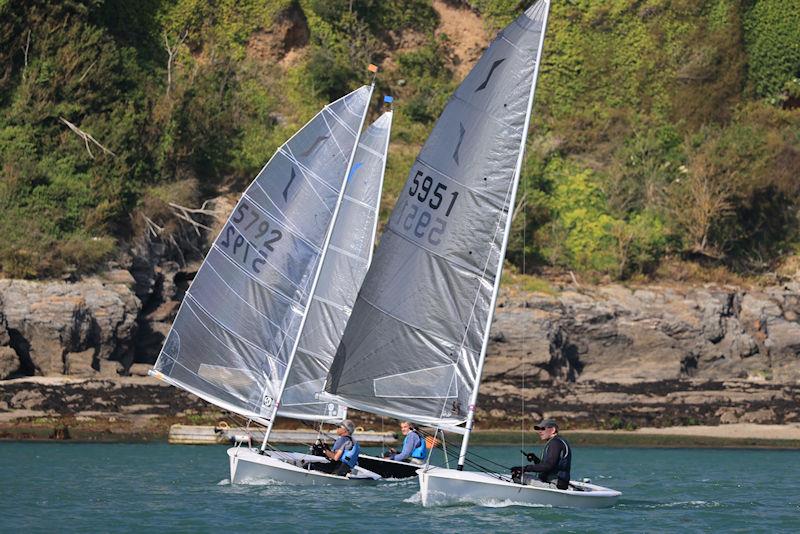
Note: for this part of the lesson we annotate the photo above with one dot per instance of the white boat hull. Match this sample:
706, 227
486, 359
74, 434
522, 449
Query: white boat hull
248, 466
439, 486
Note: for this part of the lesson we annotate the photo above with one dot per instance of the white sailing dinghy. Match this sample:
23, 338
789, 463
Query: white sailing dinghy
416, 341
239, 325
343, 270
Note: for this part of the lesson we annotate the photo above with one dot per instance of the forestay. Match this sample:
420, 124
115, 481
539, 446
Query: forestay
239, 321
413, 346
343, 270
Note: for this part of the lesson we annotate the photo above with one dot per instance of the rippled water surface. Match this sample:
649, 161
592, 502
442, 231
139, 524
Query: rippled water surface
68, 487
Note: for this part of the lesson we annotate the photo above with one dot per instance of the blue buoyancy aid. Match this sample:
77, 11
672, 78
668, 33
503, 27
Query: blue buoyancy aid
350, 456
419, 450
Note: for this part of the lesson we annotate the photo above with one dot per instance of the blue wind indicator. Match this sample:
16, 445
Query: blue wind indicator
353, 170
388, 99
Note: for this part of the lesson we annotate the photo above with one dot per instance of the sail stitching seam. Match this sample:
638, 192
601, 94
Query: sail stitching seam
286, 220
333, 136
258, 282
292, 231
232, 290
323, 300
344, 124
305, 172
215, 246
348, 254
265, 260
212, 384
473, 107
227, 329
287, 152
401, 321
474, 271
476, 192
360, 203
515, 47
371, 151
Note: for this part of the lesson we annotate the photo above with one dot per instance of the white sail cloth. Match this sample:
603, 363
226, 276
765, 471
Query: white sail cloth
343, 271
239, 321
413, 345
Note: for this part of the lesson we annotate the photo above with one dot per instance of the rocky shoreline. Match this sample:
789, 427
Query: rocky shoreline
602, 357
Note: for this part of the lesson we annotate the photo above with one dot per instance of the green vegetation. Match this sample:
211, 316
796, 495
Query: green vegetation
663, 130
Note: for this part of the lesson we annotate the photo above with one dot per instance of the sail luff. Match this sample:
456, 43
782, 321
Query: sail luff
318, 270
474, 398
380, 189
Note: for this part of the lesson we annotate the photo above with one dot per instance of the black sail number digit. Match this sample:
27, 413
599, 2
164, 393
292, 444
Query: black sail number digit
238, 215
438, 196
452, 203
239, 245
426, 188
432, 192
276, 236
413, 191
230, 231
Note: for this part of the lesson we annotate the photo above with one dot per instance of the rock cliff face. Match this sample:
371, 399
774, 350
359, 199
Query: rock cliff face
616, 334
60, 328
607, 355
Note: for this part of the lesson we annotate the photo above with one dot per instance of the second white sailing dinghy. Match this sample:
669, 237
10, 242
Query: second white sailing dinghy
343, 270
240, 324
416, 341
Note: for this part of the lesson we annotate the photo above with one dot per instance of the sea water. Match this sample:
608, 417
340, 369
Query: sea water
72, 487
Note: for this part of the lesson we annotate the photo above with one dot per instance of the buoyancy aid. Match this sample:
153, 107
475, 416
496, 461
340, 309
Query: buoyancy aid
350, 456
419, 450
564, 465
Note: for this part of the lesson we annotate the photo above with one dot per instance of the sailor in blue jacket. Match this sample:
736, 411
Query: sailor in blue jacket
414, 449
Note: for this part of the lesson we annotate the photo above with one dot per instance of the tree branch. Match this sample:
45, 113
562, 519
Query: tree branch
185, 213
86, 138
86, 71
172, 50
25, 52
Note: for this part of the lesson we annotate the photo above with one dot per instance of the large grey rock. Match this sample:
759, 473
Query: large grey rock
9, 362
53, 319
612, 333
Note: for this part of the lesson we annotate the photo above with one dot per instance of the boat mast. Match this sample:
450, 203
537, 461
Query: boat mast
462, 456
317, 273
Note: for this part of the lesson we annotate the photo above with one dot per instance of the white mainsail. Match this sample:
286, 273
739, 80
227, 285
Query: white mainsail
344, 268
416, 340
239, 323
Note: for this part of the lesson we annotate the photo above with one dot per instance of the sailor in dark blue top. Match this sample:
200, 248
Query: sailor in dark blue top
414, 449
556, 459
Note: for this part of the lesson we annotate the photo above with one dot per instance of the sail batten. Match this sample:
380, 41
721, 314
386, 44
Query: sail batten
421, 320
231, 340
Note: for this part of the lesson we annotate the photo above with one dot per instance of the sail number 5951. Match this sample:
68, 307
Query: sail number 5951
423, 220
425, 189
